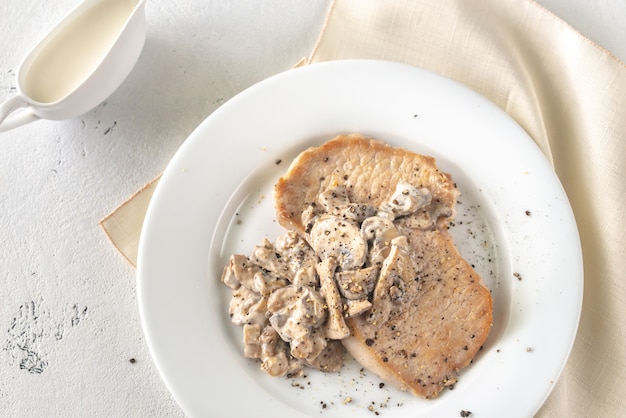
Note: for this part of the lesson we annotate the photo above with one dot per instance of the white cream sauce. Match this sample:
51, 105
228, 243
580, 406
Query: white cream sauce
73, 51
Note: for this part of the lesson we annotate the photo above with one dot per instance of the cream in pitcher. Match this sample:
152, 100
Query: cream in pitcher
79, 63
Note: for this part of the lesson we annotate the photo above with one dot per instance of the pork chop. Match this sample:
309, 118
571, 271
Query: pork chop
430, 311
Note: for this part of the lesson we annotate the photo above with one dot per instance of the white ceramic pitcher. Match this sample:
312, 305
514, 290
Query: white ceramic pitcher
79, 63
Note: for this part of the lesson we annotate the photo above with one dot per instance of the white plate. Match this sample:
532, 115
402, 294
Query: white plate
215, 198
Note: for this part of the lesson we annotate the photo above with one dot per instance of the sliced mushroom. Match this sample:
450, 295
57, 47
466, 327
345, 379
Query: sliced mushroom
379, 231
333, 197
333, 236
252, 340
397, 274
274, 358
268, 258
306, 276
309, 349
357, 284
356, 307
242, 270
439, 210
308, 216
406, 199
335, 327
358, 211
236, 270
247, 307
428, 217
229, 278
265, 282
296, 313
330, 359
298, 256
418, 220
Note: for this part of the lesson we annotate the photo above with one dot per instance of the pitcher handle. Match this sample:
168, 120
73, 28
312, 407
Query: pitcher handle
8, 120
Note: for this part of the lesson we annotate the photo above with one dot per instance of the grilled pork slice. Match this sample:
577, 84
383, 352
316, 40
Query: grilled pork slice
430, 311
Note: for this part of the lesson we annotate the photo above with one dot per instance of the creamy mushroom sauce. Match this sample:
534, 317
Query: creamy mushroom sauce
291, 296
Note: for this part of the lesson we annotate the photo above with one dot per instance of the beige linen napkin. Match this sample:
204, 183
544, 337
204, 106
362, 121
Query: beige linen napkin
123, 225
566, 92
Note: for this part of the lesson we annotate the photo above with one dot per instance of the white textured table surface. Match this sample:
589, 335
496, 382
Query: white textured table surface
71, 339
